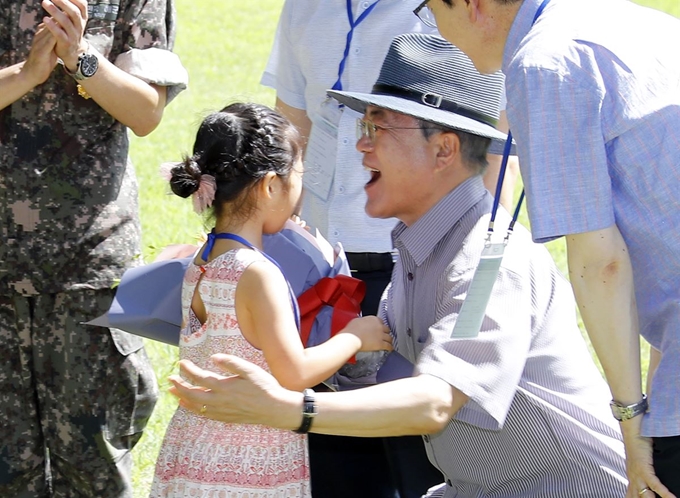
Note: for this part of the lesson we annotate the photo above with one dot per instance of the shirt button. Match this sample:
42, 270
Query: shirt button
345, 141
364, 5
410, 276
341, 189
336, 233
357, 51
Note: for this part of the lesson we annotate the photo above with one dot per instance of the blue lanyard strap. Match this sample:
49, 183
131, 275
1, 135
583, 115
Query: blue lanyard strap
540, 11
353, 23
497, 196
504, 164
212, 237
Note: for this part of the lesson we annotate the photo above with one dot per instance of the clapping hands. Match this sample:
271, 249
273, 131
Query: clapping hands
67, 24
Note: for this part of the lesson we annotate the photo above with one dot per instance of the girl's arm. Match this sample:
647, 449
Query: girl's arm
266, 319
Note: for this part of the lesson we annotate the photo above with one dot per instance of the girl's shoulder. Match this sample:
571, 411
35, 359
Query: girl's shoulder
247, 256
234, 262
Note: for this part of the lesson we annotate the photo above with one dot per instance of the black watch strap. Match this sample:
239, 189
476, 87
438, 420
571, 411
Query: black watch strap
308, 411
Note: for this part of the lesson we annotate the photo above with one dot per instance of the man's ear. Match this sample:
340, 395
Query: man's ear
448, 149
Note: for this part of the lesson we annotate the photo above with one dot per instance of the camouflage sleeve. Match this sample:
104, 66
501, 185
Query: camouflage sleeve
147, 40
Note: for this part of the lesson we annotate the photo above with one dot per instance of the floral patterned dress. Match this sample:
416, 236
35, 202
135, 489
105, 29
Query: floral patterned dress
202, 458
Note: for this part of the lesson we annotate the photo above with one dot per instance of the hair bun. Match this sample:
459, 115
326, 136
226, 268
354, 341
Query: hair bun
185, 177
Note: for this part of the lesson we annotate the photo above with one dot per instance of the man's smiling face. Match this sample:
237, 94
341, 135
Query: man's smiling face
401, 162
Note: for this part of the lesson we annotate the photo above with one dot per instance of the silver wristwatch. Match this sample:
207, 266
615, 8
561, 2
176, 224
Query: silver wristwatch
87, 65
626, 412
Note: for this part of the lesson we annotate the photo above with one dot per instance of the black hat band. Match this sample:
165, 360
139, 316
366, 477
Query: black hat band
433, 100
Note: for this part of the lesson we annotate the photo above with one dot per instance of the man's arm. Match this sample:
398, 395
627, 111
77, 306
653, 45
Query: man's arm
19, 79
416, 405
602, 277
299, 119
133, 102
296, 116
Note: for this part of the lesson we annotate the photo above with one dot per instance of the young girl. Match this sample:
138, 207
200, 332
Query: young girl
247, 165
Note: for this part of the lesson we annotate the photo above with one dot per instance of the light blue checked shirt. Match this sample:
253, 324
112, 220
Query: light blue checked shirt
593, 94
538, 422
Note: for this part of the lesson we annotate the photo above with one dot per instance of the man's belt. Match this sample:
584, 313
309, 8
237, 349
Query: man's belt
370, 261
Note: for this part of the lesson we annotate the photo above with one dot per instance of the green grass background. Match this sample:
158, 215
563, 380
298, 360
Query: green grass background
224, 45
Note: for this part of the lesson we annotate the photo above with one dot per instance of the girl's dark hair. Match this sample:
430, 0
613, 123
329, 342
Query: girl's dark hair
238, 146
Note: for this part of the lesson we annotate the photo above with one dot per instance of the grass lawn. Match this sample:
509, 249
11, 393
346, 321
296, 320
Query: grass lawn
225, 50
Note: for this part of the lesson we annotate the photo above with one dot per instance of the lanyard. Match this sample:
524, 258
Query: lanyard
212, 237
504, 163
497, 196
353, 23
473, 310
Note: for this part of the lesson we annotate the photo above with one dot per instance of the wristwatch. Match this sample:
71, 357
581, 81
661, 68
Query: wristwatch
626, 412
86, 67
308, 411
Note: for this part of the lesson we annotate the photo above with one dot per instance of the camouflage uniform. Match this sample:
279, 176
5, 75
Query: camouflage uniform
74, 398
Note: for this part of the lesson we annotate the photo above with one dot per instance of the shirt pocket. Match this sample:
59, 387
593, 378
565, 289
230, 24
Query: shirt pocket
101, 24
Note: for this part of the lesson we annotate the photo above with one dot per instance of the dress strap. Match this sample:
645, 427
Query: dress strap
212, 237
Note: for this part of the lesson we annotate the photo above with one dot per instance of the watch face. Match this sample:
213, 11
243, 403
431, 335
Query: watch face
88, 65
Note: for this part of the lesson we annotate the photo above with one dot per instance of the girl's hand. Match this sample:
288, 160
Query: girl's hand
372, 332
299, 221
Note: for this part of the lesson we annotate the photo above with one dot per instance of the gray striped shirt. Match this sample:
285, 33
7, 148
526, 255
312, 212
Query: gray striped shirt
537, 422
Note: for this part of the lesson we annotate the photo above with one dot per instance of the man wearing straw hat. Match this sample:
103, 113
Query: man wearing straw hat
514, 409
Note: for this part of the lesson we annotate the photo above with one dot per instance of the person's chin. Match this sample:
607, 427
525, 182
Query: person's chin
374, 211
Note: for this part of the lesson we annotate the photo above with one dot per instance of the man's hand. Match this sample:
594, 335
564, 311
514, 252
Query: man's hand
41, 59
67, 24
639, 465
250, 396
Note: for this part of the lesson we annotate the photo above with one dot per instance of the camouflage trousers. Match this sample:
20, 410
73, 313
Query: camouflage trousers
73, 398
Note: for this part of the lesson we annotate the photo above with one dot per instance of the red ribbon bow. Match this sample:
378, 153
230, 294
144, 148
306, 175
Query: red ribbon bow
344, 294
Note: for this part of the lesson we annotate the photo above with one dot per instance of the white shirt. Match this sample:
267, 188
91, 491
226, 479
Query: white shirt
309, 45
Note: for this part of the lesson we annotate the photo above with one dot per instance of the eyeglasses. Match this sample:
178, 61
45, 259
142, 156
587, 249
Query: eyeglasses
424, 13
367, 129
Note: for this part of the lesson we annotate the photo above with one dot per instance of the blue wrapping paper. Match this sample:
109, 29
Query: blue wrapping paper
148, 299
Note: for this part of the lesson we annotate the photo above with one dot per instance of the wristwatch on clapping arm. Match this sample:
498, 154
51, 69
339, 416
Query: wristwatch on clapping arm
86, 67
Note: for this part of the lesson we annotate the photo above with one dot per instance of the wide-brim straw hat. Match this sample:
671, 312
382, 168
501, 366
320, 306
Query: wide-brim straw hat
426, 77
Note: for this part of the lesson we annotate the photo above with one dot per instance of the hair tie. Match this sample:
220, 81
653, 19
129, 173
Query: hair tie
205, 195
165, 170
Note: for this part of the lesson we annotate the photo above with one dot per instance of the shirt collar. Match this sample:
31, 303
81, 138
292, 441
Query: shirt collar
420, 238
519, 29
